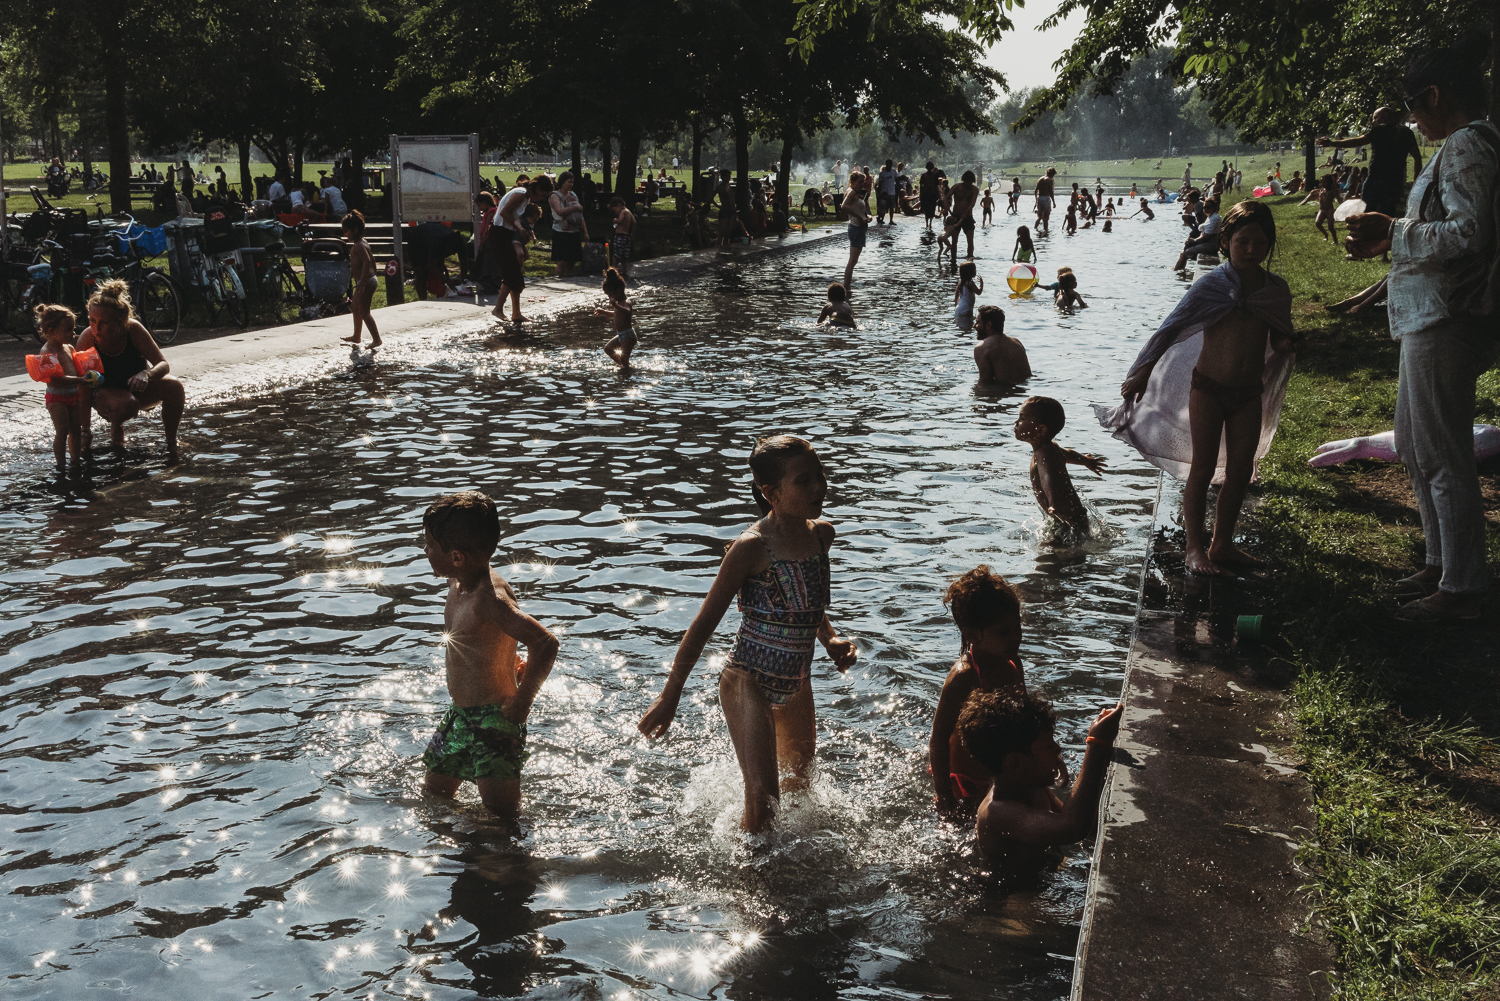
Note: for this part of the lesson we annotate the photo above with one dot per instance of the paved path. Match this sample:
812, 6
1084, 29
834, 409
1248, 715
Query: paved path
1194, 892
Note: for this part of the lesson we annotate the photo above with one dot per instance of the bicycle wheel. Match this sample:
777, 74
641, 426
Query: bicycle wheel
161, 311
232, 293
292, 296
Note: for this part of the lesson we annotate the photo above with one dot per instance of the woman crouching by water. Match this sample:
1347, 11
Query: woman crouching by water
135, 372
779, 569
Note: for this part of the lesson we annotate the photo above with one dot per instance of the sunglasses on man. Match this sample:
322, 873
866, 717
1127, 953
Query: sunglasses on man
1407, 100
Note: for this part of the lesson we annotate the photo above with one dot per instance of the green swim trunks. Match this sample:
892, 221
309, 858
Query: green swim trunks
477, 742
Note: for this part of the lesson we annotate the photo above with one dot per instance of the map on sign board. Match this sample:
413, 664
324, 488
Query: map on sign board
435, 182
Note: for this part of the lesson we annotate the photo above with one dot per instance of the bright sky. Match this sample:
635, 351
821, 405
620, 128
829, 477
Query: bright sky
1026, 55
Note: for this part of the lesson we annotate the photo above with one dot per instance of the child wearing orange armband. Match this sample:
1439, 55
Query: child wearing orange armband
68, 399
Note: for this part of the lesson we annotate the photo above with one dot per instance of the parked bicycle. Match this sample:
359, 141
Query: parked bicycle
282, 287
215, 275
157, 298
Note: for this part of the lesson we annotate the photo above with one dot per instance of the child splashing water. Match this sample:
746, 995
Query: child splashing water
837, 310
1216, 369
623, 310
66, 397
1037, 424
779, 569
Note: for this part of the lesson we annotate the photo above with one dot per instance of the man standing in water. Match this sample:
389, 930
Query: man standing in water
927, 189
1044, 200
999, 358
885, 194
965, 194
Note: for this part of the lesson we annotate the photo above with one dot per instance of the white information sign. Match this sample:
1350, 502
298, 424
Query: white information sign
434, 179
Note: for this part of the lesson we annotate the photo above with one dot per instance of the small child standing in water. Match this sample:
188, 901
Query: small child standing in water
987, 612
1144, 210
482, 736
970, 287
1038, 422
362, 274
1065, 290
837, 310
1024, 249
67, 397
779, 569
988, 204
623, 310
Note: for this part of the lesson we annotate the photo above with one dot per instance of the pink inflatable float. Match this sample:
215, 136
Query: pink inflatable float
1383, 446
1262, 191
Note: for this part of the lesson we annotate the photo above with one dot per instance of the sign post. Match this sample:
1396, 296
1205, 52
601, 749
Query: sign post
433, 179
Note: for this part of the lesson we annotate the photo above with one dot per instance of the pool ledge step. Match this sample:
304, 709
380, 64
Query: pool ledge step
1194, 891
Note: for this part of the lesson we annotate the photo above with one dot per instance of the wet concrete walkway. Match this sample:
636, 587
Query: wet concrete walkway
1194, 893
315, 343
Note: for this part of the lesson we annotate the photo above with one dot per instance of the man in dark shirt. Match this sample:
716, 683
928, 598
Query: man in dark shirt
1390, 144
927, 186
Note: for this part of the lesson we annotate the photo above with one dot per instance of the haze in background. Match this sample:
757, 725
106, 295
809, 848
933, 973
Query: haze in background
1026, 55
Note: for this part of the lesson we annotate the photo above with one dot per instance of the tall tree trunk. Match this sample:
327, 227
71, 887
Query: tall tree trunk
85, 155
57, 144
697, 162
577, 160
116, 125
741, 161
247, 183
1309, 160
630, 155
604, 155
784, 179
297, 161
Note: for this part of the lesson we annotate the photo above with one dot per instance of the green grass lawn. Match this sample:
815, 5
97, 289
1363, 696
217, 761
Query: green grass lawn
1398, 727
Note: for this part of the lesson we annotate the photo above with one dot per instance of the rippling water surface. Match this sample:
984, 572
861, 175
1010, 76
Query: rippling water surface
217, 680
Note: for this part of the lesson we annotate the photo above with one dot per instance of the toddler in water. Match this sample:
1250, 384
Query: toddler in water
482, 736
987, 612
622, 343
837, 310
779, 570
970, 287
988, 204
1237, 309
67, 395
1144, 210
1024, 250
1065, 290
1038, 422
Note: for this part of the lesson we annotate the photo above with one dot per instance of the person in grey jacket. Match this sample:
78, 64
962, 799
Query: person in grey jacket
1442, 253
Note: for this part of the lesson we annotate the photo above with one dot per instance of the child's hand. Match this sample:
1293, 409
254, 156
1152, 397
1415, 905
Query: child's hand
661, 713
1093, 463
843, 652
1106, 725
1134, 387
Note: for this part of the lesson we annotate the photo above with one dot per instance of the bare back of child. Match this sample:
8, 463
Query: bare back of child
482, 736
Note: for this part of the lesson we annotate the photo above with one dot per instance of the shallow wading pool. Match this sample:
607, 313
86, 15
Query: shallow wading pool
217, 680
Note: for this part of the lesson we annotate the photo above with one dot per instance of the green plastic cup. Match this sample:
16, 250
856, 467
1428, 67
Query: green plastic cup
1250, 627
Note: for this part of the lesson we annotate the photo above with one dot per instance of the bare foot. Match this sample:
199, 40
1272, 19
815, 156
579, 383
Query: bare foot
498, 312
350, 340
1234, 557
518, 318
376, 343
1199, 563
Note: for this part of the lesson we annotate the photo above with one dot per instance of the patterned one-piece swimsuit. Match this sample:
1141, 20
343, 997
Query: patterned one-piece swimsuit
783, 607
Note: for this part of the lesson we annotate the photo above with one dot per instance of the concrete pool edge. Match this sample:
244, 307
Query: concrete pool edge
1195, 890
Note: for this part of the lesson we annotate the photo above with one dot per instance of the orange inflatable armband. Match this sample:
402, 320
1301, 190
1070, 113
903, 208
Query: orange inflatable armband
45, 368
87, 360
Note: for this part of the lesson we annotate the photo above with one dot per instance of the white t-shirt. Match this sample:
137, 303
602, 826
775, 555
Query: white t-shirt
335, 200
298, 199
514, 202
1211, 225
887, 181
275, 191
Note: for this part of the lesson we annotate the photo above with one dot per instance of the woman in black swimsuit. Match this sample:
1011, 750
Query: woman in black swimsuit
135, 373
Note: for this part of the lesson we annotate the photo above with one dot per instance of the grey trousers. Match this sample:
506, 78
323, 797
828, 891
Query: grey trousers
1435, 440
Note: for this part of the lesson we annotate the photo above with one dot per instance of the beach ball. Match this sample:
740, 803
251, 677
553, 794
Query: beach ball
94, 379
1022, 278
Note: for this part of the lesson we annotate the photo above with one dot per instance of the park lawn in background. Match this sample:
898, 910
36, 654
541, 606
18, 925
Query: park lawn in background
1397, 726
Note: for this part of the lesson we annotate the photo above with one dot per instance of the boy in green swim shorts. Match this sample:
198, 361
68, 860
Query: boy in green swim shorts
482, 736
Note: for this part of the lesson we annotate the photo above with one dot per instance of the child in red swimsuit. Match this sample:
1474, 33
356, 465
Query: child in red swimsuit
67, 402
987, 612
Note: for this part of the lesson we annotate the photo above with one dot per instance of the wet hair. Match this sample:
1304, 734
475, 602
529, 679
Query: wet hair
1045, 409
465, 521
354, 223
995, 724
1066, 278
50, 316
1456, 71
486, 198
968, 269
837, 292
113, 297
990, 315
1242, 214
768, 462
968, 177
1109, 226
613, 285
981, 598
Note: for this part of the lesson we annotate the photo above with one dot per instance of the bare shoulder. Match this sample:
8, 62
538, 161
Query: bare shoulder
747, 554
826, 532
961, 675
503, 592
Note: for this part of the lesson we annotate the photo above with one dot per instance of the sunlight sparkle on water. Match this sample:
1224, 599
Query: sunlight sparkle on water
349, 869
396, 891
630, 526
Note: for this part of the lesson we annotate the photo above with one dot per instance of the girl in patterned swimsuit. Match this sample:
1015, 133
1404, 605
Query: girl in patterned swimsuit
779, 569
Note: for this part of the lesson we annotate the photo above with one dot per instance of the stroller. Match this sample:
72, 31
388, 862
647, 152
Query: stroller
325, 266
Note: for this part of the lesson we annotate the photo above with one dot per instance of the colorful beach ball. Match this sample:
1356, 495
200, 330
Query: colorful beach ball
1022, 278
